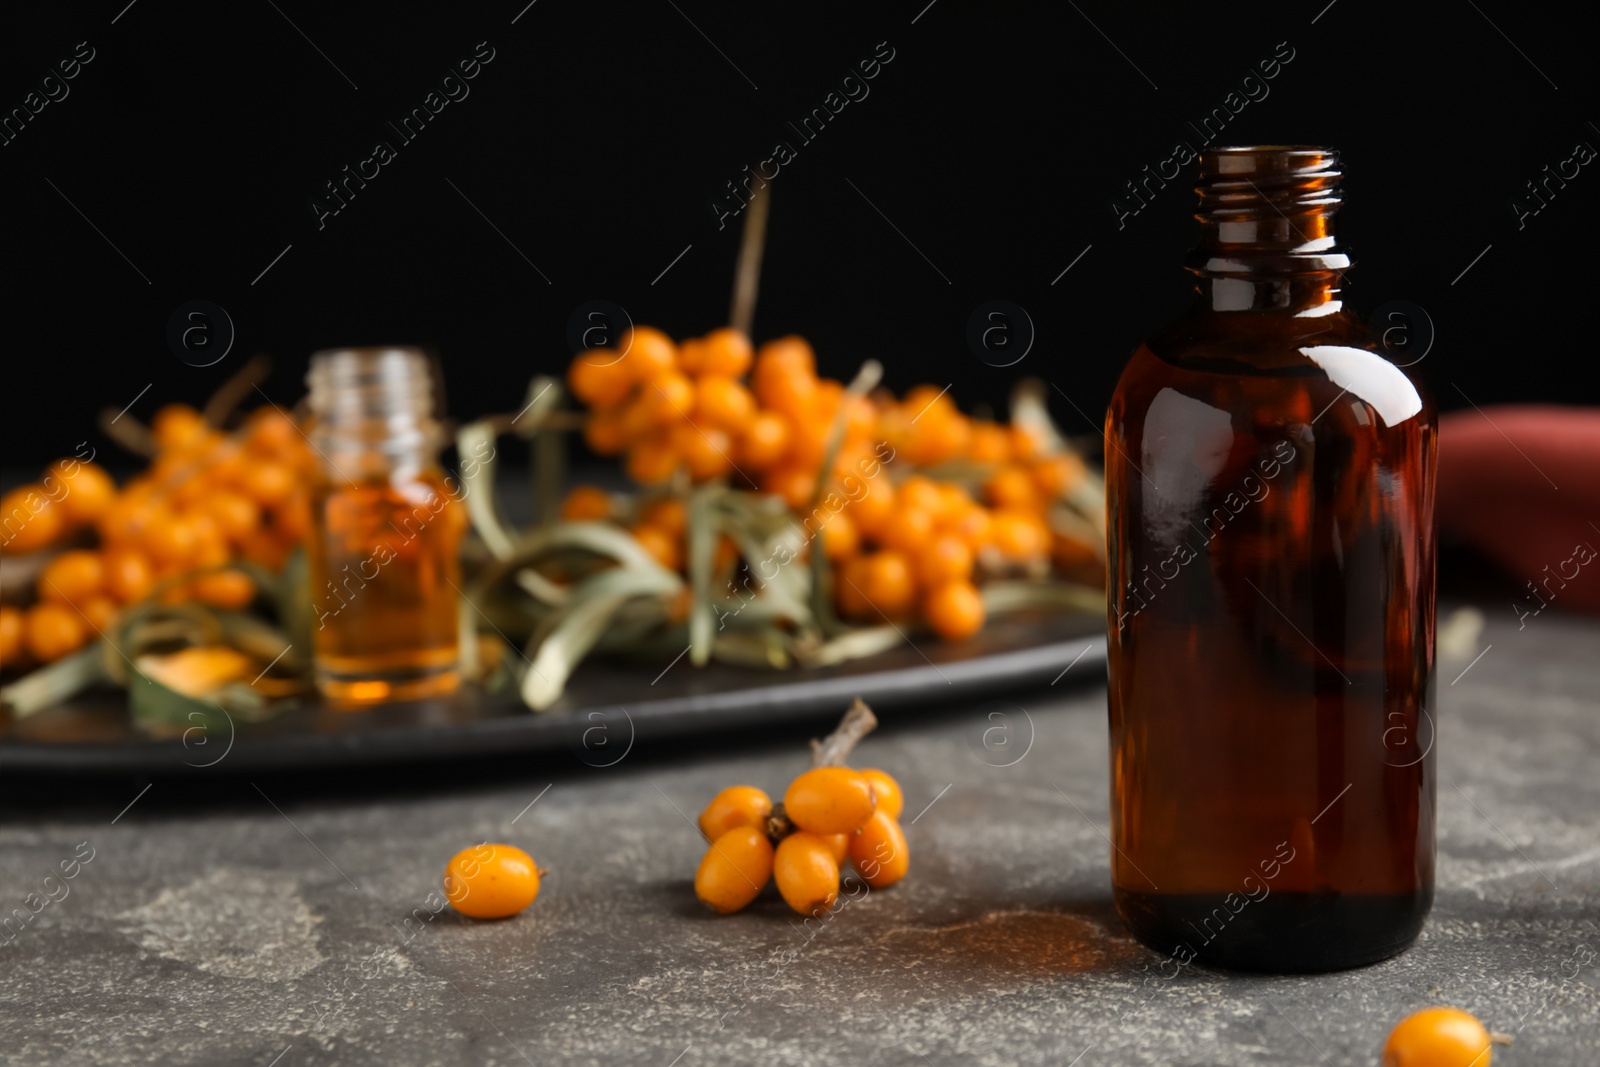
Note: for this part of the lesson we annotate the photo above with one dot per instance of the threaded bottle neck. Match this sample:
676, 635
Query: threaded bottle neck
372, 409
1267, 234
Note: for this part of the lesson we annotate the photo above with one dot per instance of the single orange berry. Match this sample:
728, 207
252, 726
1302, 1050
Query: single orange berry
649, 352
1011, 487
706, 450
790, 353
584, 503
891, 798
1019, 535
267, 483
847, 589
178, 426
829, 800
954, 610
271, 432
795, 485
839, 845
669, 397
735, 869
90, 490
72, 577
737, 805
491, 881
806, 873
971, 525
651, 460
29, 519
664, 547
989, 443
839, 537
908, 530
921, 492
51, 630
1438, 1037
99, 611
879, 851
1059, 474
876, 505
598, 378
128, 576
946, 558
764, 441
236, 515
889, 586
171, 540
10, 636
228, 589
725, 351
668, 513
721, 401
605, 431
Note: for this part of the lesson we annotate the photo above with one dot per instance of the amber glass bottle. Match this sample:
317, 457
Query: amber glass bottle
386, 530
1270, 483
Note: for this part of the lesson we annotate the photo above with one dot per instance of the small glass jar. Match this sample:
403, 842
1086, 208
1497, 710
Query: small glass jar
386, 530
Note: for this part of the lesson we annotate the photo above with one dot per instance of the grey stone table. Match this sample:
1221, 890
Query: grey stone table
266, 923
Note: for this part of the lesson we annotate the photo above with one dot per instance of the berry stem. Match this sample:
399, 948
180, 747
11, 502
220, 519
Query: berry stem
857, 723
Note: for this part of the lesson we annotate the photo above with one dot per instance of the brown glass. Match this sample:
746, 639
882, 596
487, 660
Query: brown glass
1270, 483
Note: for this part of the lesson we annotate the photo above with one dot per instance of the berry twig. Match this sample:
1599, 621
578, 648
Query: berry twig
857, 723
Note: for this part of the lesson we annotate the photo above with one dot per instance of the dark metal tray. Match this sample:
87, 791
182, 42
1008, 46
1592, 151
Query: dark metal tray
608, 708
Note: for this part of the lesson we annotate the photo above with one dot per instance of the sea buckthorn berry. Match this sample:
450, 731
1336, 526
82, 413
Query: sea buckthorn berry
270, 432
726, 351
1011, 487
891, 798
785, 389
794, 484
946, 558
171, 540
875, 506
10, 636
735, 869
1019, 535
1438, 1037
225, 589
737, 805
177, 426
90, 490
922, 493
839, 537
889, 586
706, 450
267, 483
491, 881
651, 460
908, 530
848, 597
721, 401
829, 800
879, 851
605, 431
764, 441
236, 514
670, 397
668, 513
585, 503
972, 526
128, 576
790, 353
1059, 474
51, 630
599, 378
649, 352
839, 845
99, 612
954, 610
806, 873
29, 519
72, 577
664, 547
989, 443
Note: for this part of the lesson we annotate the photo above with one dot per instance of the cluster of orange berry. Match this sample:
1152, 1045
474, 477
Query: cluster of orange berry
922, 544
207, 499
829, 814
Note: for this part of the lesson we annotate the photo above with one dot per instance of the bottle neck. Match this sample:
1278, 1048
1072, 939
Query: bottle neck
1267, 239
372, 413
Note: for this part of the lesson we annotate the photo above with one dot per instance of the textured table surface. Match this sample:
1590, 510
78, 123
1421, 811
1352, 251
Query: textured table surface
222, 921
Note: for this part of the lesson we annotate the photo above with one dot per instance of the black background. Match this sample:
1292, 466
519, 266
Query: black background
599, 135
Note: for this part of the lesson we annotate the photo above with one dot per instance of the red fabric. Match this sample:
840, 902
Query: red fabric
1522, 486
